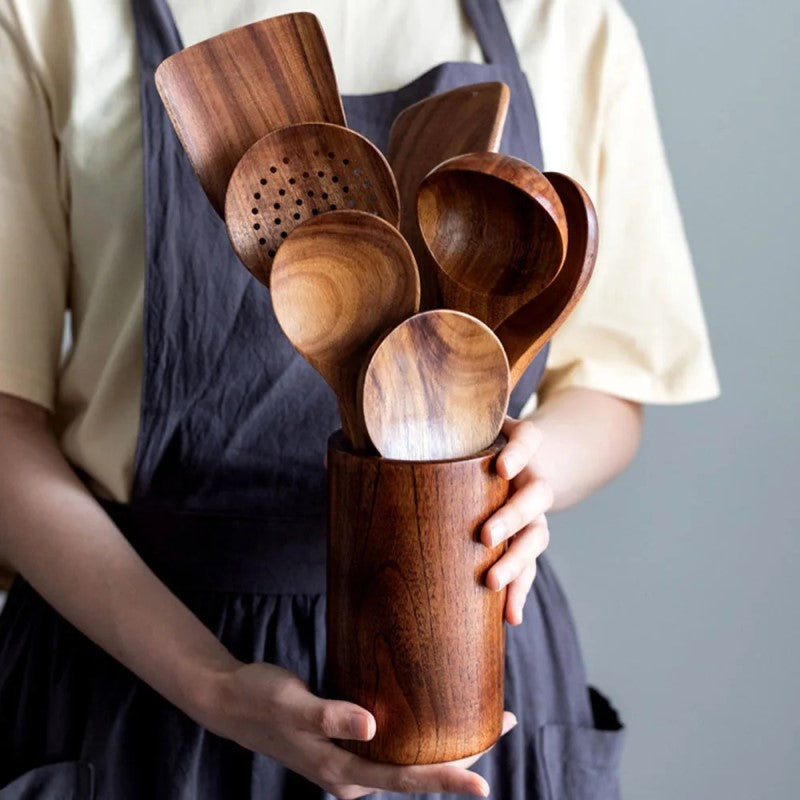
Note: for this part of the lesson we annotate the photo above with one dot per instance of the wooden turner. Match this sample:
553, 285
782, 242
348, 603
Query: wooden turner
222, 95
465, 120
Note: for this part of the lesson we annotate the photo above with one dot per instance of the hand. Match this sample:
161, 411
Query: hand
271, 711
521, 520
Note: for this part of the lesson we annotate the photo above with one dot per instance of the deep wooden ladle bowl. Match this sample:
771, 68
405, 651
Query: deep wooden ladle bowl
496, 229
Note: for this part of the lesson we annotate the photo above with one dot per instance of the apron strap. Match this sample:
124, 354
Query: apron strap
491, 30
157, 34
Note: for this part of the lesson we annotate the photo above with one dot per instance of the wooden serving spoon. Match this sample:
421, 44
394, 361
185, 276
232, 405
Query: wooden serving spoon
469, 119
299, 172
527, 331
436, 388
340, 281
496, 229
222, 95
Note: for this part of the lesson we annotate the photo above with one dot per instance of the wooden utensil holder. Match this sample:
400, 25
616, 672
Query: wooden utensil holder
414, 635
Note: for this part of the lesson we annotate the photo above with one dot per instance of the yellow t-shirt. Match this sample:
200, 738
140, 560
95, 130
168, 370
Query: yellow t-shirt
72, 230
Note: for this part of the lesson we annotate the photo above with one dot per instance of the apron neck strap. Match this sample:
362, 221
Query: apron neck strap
156, 32
491, 30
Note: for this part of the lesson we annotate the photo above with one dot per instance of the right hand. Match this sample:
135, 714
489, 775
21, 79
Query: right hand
271, 711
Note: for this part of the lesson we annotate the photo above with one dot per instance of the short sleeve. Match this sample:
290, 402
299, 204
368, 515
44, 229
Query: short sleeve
34, 244
639, 331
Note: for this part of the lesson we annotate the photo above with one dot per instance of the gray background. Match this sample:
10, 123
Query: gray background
683, 573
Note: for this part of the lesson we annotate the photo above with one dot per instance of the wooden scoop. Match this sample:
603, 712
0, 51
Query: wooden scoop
225, 93
527, 331
465, 120
300, 172
496, 229
341, 281
436, 388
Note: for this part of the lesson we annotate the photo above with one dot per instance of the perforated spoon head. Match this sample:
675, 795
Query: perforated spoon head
340, 282
496, 229
297, 173
436, 388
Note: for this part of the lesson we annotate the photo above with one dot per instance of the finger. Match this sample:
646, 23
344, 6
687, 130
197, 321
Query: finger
524, 439
337, 719
524, 506
525, 547
518, 593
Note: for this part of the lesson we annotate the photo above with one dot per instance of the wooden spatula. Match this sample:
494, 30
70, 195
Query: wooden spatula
464, 120
527, 331
225, 93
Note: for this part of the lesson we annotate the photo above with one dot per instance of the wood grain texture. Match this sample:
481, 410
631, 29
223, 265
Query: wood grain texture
436, 387
413, 634
339, 283
300, 172
496, 229
527, 331
223, 94
468, 119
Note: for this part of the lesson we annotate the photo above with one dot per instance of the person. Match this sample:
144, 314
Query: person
162, 481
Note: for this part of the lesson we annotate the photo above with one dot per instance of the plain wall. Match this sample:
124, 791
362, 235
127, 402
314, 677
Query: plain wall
683, 574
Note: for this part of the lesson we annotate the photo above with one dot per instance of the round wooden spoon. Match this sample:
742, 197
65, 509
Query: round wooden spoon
299, 172
496, 229
339, 282
527, 331
436, 388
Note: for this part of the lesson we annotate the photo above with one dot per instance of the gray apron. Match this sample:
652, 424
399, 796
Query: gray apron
228, 509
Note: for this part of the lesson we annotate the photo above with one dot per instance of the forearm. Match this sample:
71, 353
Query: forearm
55, 533
588, 437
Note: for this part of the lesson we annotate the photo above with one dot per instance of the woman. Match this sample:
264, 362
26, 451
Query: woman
147, 651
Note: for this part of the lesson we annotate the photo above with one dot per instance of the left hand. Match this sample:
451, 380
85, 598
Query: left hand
521, 521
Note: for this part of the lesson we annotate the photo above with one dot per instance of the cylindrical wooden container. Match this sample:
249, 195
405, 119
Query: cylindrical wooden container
414, 635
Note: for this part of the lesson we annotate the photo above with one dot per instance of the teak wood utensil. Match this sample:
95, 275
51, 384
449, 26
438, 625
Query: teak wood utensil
299, 172
223, 94
436, 387
526, 331
468, 119
414, 635
496, 230
340, 281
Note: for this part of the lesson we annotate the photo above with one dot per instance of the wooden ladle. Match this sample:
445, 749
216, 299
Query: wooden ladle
468, 119
225, 93
526, 331
297, 173
496, 229
340, 281
436, 388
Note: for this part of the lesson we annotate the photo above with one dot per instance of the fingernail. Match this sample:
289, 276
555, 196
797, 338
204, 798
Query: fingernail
483, 788
359, 726
513, 463
497, 532
500, 579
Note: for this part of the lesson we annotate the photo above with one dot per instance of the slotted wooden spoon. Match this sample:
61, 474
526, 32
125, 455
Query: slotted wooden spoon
496, 229
436, 388
468, 119
299, 172
527, 331
222, 95
340, 281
